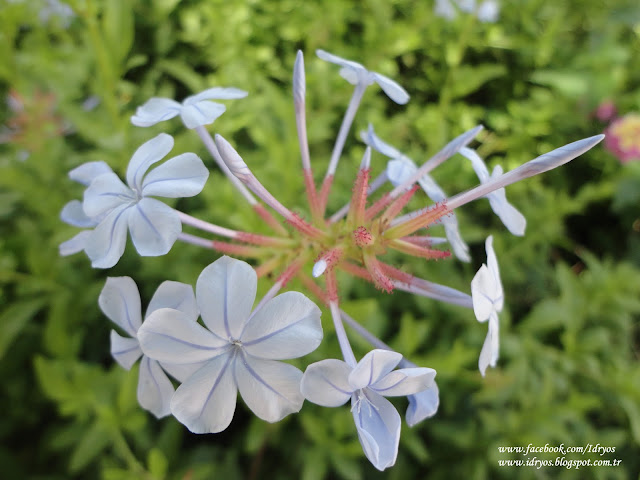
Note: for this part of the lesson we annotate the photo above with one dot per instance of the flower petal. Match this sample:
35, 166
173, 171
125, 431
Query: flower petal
216, 93
183, 371
206, 401
119, 300
510, 216
146, 155
106, 243
491, 347
155, 110
477, 163
270, 389
399, 170
287, 326
423, 405
492, 264
405, 381
201, 113
86, 172
378, 425
170, 336
181, 176
329, 57
326, 383
373, 366
105, 193
370, 138
154, 227
225, 292
483, 292
73, 214
175, 295
393, 90
75, 244
125, 350
458, 245
154, 388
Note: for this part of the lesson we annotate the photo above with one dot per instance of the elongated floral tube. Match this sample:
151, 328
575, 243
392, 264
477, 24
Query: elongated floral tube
299, 102
240, 169
373, 186
541, 164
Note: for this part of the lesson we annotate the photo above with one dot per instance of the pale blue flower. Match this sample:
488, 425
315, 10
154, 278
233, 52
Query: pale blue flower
120, 302
486, 11
400, 169
356, 74
73, 214
488, 300
332, 382
195, 111
238, 349
154, 226
512, 218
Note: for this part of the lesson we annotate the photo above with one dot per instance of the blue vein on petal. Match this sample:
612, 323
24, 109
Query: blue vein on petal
184, 342
389, 387
145, 166
169, 180
146, 219
276, 332
147, 365
128, 350
225, 304
258, 377
335, 386
133, 330
215, 384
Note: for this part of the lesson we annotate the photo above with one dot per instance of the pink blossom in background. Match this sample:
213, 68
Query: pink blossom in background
623, 138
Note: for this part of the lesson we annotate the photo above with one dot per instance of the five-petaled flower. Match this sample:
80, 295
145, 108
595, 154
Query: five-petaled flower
195, 111
154, 226
488, 299
332, 382
120, 302
237, 351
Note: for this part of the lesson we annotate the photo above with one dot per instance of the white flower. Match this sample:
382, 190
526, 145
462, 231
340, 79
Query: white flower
154, 226
73, 214
356, 74
195, 110
512, 218
332, 382
488, 299
238, 350
400, 169
120, 302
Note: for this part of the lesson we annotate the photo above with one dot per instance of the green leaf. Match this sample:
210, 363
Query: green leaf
89, 446
14, 319
571, 84
118, 26
158, 463
467, 79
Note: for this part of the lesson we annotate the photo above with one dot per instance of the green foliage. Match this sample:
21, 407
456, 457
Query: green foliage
570, 337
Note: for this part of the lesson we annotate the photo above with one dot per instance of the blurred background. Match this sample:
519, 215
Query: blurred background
537, 75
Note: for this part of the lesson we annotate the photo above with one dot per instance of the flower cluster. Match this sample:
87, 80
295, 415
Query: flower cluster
241, 348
